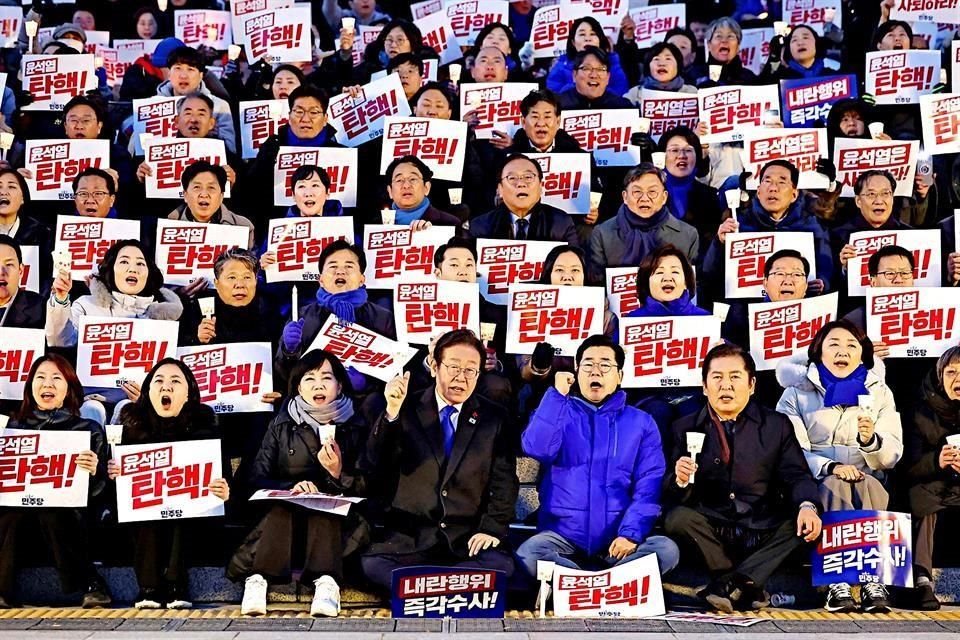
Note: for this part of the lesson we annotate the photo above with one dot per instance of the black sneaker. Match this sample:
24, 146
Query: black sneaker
722, 594
839, 599
925, 598
96, 595
148, 599
874, 598
177, 597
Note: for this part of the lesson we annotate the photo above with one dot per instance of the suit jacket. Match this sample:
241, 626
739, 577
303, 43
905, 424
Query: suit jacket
546, 223
26, 312
437, 500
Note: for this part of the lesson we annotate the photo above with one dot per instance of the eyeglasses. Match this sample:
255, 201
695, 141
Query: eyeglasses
455, 370
590, 71
299, 112
675, 152
717, 37
602, 367
390, 40
895, 275
873, 195
85, 195
524, 178
83, 122
783, 275
649, 195
412, 181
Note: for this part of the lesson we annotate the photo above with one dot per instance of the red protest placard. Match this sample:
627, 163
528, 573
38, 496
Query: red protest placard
55, 163
168, 157
53, 80
853, 156
153, 118
440, 144
468, 17
745, 255
88, 239
39, 468
562, 316
925, 245
801, 147
914, 323
186, 251
668, 109
605, 133
566, 181
260, 119
111, 351
622, 290
18, 349
196, 27
277, 35
666, 351
497, 105
779, 330
298, 242
423, 309
729, 111
940, 115
232, 377
501, 263
631, 590
901, 77
653, 23
366, 351
550, 28
813, 13
341, 166
394, 251
361, 118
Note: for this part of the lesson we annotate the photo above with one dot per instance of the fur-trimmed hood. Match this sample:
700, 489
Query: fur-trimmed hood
171, 308
797, 371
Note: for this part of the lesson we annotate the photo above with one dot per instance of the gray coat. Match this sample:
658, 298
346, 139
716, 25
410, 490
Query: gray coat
608, 247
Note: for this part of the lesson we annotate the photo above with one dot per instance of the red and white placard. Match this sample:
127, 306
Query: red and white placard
779, 330
363, 349
168, 157
812, 13
277, 35
730, 111
39, 468
566, 181
203, 27
361, 118
605, 133
440, 144
156, 117
260, 119
340, 164
394, 251
561, 316
801, 147
468, 17
439, 35
653, 23
940, 115
186, 251
30, 278
298, 242
916, 322
11, 19
501, 263
947, 11
242, 8
53, 80
666, 351
497, 105
111, 351
232, 377
924, 243
18, 349
668, 109
550, 28
88, 239
631, 590
745, 255
424, 308
755, 48
55, 163
901, 77
622, 290
853, 156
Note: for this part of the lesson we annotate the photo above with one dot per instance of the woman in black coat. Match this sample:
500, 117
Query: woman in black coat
168, 410
51, 402
310, 447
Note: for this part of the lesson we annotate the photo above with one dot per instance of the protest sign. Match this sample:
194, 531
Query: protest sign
111, 351
605, 133
88, 239
653, 23
955, 63
242, 8
156, 117
18, 349
914, 323
666, 351
807, 102
168, 157
729, 111
366, 351
779, 330
812, 13
96, 41
439, 35
39, 468
803, 148
131, 50
497, 105
668, 109
445, 592
901, 77
631, 590
277, 35
468, 17
325, 502
260, 119
341, 165
11, 19
232, 377
361, 119
857, 547
55, 163
550, 27
924, 243
745, 255
30, 277
186, 251
423, 309
501, 263
297, 243
365, 37
53, 80
940, 115
202, 27
395, 250
423, 9
853, 156
566, 181
562, 316
926, 11
440, 144
755, 48
168, 481
622, 290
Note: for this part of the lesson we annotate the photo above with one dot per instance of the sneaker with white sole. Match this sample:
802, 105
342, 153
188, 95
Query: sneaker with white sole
874, 598
254, 596
148, 599
326, 598
839, 599
177, 597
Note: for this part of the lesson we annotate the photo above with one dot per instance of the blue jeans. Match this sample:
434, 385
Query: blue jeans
553, 547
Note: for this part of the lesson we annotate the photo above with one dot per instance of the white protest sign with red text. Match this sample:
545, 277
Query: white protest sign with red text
423, 9
39, 468
622, 290
394, 250
730, 111
440, 144
186, 251
55, 163
916, 322
609, 13
277, 35
566, 180
360, 119
468, 17
955, 62
53, 80
801, 147
242, 8
260, 119
497, 105
812, 13
11, 18
365, 36
111, 351
562, 316
131, 50
366, 351
154, 116
550, 28
631, 590
924, 243
901, 77
745, 255
501, 263
339, 163
947, 11
96, 41
666, 351
668, 109
940, 115
168, 480
297, 243
853, 156
423, 309
605, 133
232, 377
779, 330
30, 278
755, 48
168, 157
654, 22
88, 239
439, 35
196, 27
18, 349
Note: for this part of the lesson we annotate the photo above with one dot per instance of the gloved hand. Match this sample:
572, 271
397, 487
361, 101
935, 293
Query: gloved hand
744, 176
776, 49
940, 87
869, 98
646, 144
542, 356
526, 55
826, 168
292, 335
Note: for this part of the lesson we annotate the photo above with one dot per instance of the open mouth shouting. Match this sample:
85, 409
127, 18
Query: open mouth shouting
319, 398
166, 401
841, 363
668, 287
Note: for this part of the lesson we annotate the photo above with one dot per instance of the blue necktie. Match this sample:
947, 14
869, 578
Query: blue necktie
446, 422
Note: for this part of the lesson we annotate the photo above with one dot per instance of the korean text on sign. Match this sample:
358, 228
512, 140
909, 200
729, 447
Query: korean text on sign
779, 330
668, 351
914, 323
631, 590
864, 546
39, 468
562, 316
368, 352
437, 592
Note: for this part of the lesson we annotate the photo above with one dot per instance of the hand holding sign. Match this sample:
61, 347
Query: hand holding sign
396, 392
684, 469
949, 456
220, 488
87, 461
207, 330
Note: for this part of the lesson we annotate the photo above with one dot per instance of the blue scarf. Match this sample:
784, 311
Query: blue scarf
639, 234
816, 70
843, 391
318, 140
670, 85
406, 216
682, 306
679, 190
342, 305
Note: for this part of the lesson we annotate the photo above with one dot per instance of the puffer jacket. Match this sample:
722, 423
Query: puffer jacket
604, 468
829, 434
63, 320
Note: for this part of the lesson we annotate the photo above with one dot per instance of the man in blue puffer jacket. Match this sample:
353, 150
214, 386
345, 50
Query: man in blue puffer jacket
603, 463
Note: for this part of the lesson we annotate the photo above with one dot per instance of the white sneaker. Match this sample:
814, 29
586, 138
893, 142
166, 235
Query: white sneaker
326, 598
254, 596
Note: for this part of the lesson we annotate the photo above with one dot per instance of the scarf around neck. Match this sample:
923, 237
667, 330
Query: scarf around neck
671, 85
843, 391
336, 412
815, 71
318, 140
639, 234
342, 305
682, 306
679, 190
406, 216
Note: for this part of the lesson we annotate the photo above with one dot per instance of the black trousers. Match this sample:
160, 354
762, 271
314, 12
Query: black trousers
693, 529
159, 553
378, 567
63, 530
275, 546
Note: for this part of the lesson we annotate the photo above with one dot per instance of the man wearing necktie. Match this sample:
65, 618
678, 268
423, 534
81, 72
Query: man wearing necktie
450, 459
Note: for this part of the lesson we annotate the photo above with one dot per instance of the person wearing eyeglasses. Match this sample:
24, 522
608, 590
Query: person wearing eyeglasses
521, 214
591, 83
601, 464
689, 199
94, 194
449, 453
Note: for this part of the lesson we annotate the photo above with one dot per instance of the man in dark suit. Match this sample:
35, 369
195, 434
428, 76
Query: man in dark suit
450, 459
19, 308
732, 508
521, 215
